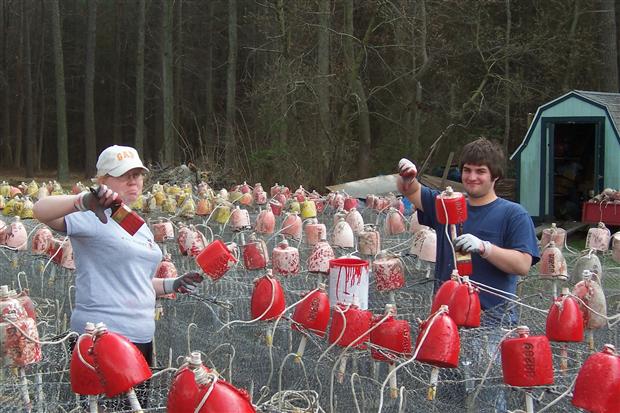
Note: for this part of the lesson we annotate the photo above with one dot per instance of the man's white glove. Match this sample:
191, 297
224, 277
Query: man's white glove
470, 243
184, 284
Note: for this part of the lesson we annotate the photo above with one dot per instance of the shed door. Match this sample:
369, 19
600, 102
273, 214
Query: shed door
576, 164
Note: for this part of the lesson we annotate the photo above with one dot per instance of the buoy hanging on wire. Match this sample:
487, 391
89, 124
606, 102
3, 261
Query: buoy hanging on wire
311, 316
564, 324
391, 340
438, 344
597, 388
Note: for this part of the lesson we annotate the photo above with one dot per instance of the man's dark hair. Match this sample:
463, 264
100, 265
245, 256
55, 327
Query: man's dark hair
484, 152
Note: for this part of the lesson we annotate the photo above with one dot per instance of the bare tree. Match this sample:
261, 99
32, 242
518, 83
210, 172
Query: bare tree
61, 116
5, 142
139, 134
90, 137
29, 143
231, 84
167, 86
609, 43
358, 93
323, 82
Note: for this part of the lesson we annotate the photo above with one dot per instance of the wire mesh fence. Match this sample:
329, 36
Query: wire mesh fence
275, 380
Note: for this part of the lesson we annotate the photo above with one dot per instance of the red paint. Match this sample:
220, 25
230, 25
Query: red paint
183, 391
167, 269
119, 363
224, 397
527, 360
597, 388
313, 313
15, 349
350, 203
394, 336
215, 259
442, 344
358, 322
389, 273
565, 320
285, 259
265, 221
465, 306
444, 294
463, 263
84, 380
255, 255
351, 270
320, 256
265, 288
455, 206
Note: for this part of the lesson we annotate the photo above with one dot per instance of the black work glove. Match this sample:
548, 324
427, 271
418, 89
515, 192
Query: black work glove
96, 200
185, 284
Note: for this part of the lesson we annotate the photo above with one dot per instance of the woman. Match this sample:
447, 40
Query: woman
114, 270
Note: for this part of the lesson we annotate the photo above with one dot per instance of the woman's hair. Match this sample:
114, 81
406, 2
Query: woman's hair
484, 152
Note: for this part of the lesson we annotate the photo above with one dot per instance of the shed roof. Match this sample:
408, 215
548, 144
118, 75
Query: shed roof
610, 102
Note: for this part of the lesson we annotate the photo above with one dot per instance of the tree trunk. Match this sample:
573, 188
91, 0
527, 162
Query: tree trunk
90, 137
19, 83
61, 115
167, 86
231, 84
29, 141
281, 64
507, 89
358, 92
210, 115
323, 85
609, 45
178, 69
570, 64
5, 139
117, 117
139, 137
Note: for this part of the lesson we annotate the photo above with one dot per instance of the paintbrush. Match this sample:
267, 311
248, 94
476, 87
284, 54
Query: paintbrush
128, 219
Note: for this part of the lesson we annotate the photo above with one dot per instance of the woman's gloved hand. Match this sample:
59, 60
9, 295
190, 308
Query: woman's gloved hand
185, 284
96, 200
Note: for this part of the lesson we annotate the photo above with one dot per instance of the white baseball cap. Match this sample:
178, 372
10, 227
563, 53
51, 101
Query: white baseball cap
116, 160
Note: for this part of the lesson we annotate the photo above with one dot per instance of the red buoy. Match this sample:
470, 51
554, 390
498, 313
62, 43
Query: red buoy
527, 360
392, 336
313, 312
442, 344
465, 305
84, 378
451, 207
119, 363
350, 327
565, 320
444, 293
597, 388
184, 390
267, 298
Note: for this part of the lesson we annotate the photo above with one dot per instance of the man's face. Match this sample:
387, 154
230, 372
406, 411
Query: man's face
477, 180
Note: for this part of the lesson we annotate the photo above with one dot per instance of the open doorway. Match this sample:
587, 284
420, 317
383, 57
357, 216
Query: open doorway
574, 168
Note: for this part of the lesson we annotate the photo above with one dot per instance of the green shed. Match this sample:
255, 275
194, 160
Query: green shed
571, 152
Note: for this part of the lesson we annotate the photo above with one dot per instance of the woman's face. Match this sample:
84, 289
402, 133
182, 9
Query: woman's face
128, 186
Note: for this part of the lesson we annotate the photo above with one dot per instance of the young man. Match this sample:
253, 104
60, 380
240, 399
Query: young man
498, 233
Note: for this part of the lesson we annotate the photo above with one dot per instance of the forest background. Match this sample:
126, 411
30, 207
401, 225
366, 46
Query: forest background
291, 91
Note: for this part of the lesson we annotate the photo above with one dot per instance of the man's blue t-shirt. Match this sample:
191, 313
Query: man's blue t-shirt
502, 223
